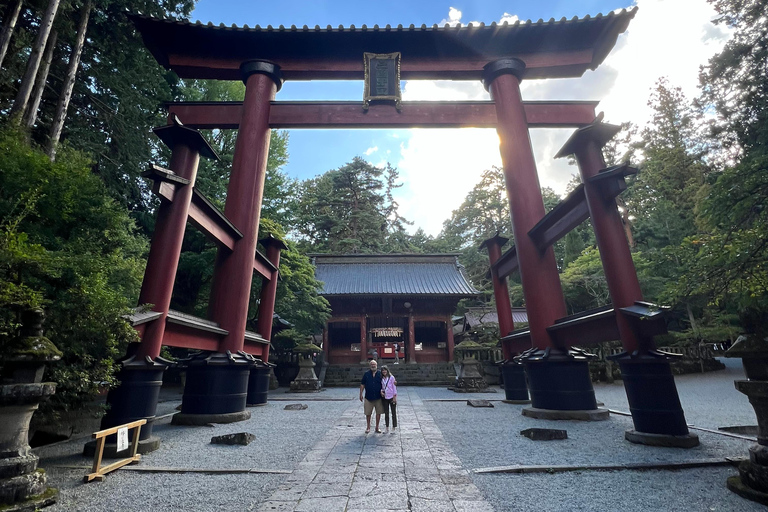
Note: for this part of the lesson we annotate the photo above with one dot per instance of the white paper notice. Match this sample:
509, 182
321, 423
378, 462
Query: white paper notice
122, 439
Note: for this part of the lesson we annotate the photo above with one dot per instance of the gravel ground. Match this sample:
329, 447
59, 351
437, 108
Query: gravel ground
480, 437
289, 436
709, 401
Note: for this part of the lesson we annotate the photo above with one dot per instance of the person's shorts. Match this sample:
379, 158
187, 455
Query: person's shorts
369, 406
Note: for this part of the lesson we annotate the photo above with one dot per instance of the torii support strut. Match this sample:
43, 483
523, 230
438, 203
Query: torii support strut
653, 400
559, 381
513, 373
141, 371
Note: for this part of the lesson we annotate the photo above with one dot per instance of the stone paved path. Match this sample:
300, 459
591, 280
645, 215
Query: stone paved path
348, 470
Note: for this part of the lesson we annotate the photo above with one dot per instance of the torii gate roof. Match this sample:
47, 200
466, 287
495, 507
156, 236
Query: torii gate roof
551, 49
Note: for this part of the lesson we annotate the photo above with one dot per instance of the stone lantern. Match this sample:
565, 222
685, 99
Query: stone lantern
470, 377
306, 380
22, 483
752, 482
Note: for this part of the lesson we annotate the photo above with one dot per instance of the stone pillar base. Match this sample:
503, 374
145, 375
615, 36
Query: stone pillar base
559, 414
515, 385
687, 441
216, 387
258, 384
559, 380
135, 398
653, 401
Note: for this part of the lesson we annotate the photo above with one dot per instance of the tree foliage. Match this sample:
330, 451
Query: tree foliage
351, 210
68, 247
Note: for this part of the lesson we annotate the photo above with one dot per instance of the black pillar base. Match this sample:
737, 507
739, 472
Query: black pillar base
653, 400
216, 389
559, 380
258, 384
135, 398
515, 385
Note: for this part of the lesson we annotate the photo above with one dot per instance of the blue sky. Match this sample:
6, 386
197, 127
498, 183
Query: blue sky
438, 167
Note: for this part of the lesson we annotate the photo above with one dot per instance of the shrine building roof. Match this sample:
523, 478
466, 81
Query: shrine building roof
392, 274
550, 49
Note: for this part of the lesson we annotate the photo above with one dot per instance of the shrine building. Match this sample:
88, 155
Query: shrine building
381, 300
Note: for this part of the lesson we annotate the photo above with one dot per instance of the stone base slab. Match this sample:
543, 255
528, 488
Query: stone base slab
22, 487
735, 484
687, 441
580, 415
516, 402
16, 466
34, 503
204, 419
110, 449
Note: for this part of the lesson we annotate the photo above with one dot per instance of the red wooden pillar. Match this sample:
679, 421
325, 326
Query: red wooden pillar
186, 145
558, 378
217, 383
500, 291
538, 271
411, 355
269, 291
363, 341
326, 345
657, 414
449, 337
233, 272
141, 373
620, 273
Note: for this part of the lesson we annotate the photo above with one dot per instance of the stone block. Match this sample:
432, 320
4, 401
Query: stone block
544, 434
479, 403
295, 407
241, 438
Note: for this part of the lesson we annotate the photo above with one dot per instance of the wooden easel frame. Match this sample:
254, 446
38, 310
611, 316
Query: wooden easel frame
98, 470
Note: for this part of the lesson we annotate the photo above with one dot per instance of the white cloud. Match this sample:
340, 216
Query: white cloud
509, 18
371, 150
454, 18
439, 167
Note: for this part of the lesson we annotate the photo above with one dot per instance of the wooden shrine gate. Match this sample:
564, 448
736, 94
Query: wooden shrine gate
501, 56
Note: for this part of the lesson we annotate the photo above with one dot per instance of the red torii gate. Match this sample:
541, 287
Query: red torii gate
499, 55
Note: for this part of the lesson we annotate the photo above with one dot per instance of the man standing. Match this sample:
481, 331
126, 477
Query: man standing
371, 384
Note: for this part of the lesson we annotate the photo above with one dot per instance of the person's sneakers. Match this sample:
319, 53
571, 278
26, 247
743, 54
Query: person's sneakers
393, 429
378, 431
386, 430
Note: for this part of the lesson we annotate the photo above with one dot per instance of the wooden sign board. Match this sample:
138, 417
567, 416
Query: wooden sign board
382, 79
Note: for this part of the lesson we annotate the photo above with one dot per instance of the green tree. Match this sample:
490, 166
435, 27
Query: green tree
727, 260
67, 246
351, 210
662, 197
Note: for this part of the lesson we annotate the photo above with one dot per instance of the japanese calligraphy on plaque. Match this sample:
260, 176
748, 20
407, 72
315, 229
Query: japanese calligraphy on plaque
382, 79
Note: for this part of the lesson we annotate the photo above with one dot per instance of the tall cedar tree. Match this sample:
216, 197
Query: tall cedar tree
350, 210
728, 260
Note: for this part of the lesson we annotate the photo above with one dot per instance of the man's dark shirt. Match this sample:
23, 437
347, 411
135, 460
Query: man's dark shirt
372, 385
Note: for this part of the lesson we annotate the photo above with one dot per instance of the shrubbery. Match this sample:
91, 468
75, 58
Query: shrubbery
69, 248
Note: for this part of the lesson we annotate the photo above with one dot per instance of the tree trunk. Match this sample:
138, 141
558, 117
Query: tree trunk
25, 90
10, 24
69, 82
30, 117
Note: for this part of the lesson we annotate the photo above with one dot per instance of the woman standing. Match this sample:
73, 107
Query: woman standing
389, 398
